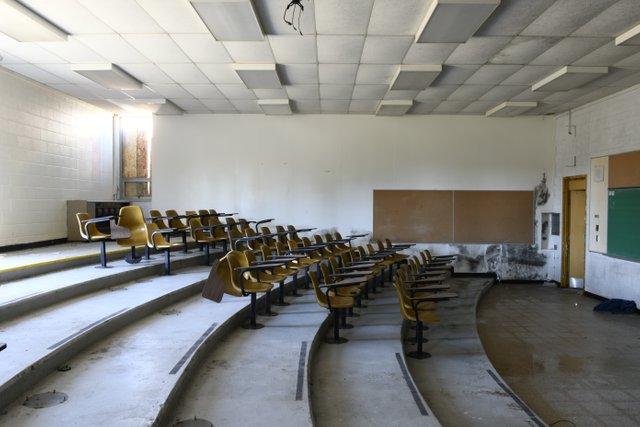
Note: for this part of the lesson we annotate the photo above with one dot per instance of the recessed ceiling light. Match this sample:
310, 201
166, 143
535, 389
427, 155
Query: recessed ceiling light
230, 20
108, 75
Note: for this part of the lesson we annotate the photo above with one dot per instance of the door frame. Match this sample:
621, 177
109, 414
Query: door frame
569, 183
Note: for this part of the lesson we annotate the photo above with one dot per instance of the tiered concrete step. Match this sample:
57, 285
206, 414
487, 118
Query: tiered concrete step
46, 339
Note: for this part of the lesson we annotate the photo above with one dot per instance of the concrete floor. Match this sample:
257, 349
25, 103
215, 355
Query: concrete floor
563, 361
571, 365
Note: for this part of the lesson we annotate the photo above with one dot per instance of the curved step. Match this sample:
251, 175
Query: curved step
23, 296
40, 343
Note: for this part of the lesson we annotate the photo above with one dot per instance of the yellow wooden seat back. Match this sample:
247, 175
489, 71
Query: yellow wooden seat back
93, 232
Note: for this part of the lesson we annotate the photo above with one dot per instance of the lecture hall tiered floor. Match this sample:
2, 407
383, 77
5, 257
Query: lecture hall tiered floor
129, 346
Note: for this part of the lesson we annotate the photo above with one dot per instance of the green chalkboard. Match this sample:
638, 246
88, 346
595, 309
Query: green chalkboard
623, 236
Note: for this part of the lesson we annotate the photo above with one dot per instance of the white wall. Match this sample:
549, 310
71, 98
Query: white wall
52, 148
321, 170
606, 127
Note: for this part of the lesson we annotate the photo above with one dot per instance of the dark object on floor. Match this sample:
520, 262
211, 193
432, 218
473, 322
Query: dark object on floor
617, 306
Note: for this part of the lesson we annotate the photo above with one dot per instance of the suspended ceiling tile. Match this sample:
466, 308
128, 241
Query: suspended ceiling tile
190, 105
73, 51
293, 49
337, 73
615, 77
562, 97
306, 106
529, 95
385, 50
491, 74
114, 48
565, 16
246, 106
295, 74
219, 105
513, 16
336, 91
174, 16
396, 95
612, 22
250, 52
478, 107
65, 72
375, 74
340, 49
202, 48
522, 50
363, 106
389, 17
170, 90
477, 51
148, 73
342, 17
220, 73
299, 92
369, 92
72, 90
429, 53
204, 91
28, 52
631, 61
455, 74
607, 54
529, 74
331, 106
436, 93
450, 107
144, 93
236, 91
184, 73
423, 107
469, 92
597, 94
271, 93
7, 58
124, 16
627, 81
69, 15
35, 73
502, 93
569, 50
158, 48
271, 16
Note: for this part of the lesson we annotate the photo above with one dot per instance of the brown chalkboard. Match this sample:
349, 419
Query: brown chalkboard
413, 215
493, 217
436, 216
624, 170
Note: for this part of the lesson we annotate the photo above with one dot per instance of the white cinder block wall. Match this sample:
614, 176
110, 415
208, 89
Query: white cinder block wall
52, 148
321, 170
606, 127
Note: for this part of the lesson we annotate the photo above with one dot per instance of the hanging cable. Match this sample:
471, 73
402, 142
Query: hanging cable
293, 5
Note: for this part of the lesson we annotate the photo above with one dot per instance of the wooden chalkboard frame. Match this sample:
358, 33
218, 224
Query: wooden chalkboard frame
448, 216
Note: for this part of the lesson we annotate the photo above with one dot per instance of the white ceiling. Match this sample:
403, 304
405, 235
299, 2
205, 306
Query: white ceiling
344, 62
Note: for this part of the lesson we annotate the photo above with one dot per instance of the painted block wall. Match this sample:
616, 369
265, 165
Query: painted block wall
606, 127
321, 170
52, 148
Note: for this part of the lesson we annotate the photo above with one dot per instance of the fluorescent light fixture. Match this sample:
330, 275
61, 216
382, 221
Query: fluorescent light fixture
230, 20
511, 108
275, 106
394, 107
258, 76
108, 75
415, 77
454, 21
24, 25
569, 77
629, 38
